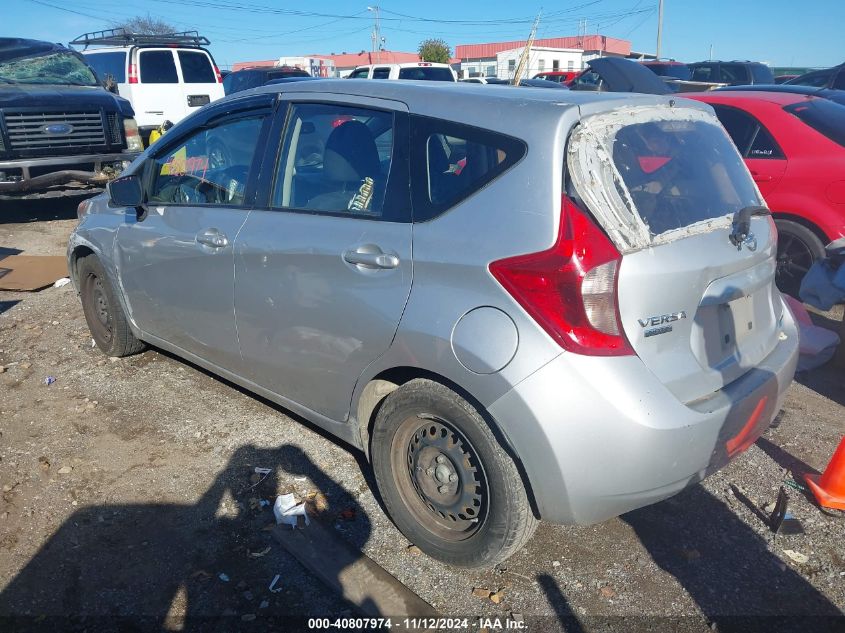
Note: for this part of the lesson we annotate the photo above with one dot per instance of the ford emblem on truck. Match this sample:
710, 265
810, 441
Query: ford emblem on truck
57, 129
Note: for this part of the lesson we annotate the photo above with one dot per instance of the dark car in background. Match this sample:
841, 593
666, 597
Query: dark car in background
247, 78
828, 78
669, 68
60, 129
733, 73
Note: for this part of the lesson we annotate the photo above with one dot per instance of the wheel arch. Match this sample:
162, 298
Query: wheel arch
387, 381
803, 221
76, 254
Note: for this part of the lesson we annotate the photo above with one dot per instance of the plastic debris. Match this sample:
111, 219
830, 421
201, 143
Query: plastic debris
264, 604
64, 281
223, 577
479, 592
262, 471
287, 510
263, 552
816, 345
272, 588
49, 380
798, 557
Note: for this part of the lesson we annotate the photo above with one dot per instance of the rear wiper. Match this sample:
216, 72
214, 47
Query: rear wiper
742, 223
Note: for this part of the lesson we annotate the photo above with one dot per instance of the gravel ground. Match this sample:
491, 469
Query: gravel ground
127, 492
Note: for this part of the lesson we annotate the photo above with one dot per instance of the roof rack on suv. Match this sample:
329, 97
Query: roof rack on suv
121, 37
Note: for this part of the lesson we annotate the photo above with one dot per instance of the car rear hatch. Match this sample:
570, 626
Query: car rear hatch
666, 184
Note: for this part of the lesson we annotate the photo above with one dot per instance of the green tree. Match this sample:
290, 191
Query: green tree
146, 24
435, 50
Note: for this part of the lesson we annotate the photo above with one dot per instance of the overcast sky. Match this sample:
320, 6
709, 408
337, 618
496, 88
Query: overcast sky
778, 32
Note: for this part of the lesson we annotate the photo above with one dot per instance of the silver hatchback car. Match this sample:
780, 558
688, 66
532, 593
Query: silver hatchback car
520, 304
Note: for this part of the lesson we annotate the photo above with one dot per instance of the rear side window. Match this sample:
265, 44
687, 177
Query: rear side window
452, 161
381, 73
824, 116
158, 67
210, 166
748, 134
109, 65
196, 68
424, 73
734, 74
336, 159
668, 170
762, 74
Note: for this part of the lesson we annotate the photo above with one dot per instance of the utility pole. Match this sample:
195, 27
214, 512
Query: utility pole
526, 53
376, 35
659, 27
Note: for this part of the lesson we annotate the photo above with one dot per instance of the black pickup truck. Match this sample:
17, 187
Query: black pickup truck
60, 129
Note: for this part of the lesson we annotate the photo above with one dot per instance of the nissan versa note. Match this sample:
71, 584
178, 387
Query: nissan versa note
520, 305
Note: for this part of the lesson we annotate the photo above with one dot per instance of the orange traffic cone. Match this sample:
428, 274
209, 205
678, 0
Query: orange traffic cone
829, 487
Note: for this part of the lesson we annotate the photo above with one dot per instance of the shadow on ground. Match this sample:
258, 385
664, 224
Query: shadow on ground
159, 566
59, 208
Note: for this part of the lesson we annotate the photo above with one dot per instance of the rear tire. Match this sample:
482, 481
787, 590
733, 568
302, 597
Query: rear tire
798, 249
106, 321
447, 483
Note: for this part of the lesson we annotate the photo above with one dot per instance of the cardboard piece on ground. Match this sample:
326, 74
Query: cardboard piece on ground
31, 272
358, 578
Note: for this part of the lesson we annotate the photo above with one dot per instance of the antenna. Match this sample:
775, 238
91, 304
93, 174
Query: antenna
526, 52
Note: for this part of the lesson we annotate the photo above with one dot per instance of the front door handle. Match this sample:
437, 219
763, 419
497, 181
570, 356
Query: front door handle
371, 257
213, 238
758, 177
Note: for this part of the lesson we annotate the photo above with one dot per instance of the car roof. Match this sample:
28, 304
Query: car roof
770, 96
14, 47
441, 96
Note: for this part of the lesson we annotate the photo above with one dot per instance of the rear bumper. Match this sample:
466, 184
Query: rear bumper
601, 436
57, 170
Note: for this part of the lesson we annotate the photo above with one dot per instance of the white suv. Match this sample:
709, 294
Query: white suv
425, 71
165, 77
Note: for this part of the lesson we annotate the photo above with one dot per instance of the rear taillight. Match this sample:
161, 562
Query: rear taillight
217, 74
133, 74
571, 289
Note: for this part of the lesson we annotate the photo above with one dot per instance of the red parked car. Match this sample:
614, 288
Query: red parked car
558, 76
794, 147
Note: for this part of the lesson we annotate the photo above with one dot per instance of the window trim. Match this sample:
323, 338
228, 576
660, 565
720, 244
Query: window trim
397, 193
422, 127
781, 155
213, 120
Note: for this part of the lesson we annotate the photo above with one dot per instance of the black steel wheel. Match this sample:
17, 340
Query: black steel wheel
442, 482
446, 481
103, 313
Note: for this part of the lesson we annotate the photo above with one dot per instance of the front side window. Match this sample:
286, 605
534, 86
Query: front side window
59, 68
452, 161
158, 67
335, 159
196, 68
211, 166
109, 65
703, 73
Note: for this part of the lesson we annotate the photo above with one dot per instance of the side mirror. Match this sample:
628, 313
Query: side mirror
125, 192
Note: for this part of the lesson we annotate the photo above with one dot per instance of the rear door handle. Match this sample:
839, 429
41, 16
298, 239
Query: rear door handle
213, 238
371, 257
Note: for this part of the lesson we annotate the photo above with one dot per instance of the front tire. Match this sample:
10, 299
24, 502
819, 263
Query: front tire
447, 483
103, 312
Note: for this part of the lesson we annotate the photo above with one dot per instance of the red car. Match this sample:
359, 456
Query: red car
558, 76
794, 147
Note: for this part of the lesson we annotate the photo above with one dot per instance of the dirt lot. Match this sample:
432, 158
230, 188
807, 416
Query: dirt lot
127, 492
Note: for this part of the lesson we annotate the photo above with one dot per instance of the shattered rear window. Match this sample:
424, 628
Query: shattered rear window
647, 173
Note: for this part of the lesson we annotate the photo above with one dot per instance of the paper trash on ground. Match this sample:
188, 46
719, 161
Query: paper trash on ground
287, 510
